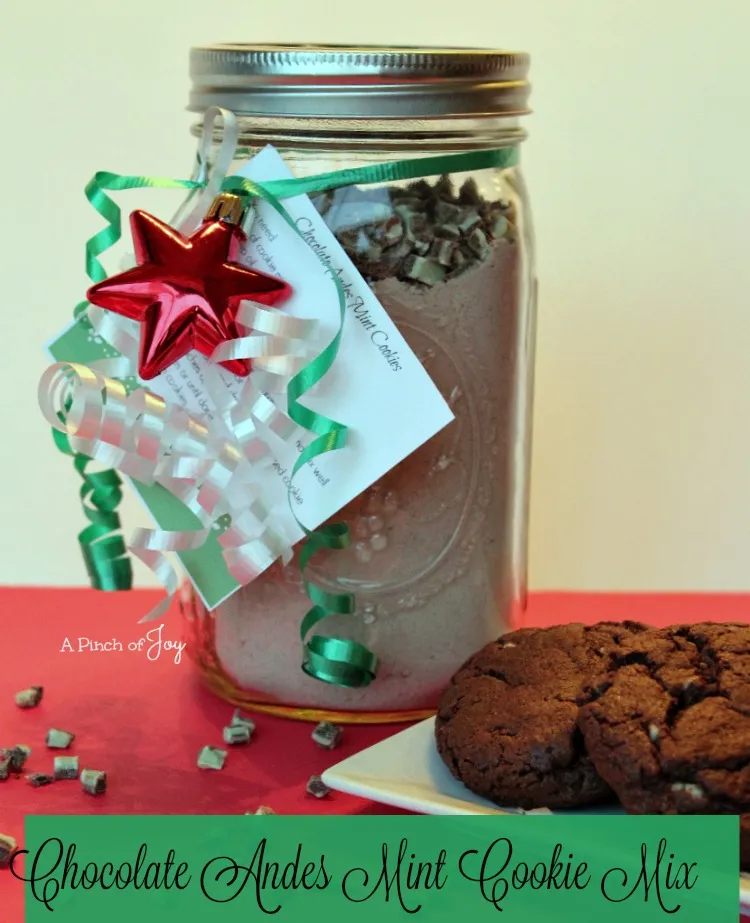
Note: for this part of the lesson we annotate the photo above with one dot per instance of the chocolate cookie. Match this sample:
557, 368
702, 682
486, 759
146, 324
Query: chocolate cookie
668, 727
506, 726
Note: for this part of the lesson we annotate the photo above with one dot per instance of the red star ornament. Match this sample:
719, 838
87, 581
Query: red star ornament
185, 291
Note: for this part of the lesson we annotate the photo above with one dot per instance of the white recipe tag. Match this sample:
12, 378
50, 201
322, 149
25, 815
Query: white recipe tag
377, 387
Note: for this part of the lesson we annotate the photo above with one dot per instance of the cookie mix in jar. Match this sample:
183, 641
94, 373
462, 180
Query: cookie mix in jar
437, 557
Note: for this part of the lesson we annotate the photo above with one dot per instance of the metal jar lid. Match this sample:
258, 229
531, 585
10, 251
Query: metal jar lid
343, 82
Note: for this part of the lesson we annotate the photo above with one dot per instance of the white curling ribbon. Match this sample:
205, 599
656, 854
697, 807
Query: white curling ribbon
247, 561
258, 346
161, 540
283, 366
255, 316
278, 350
144, 436
250, 439
194, 209
224, 478
251, 418
121, 334
276, 343
270, 384
161, 567
242, 415
263, 409
127, 261
150, 547
248, 526
252, 528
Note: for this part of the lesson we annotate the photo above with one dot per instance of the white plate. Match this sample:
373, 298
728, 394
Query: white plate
406, 772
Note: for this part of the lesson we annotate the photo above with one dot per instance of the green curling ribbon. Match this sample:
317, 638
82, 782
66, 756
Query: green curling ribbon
332, 660
110, 211
102, 545
338, 661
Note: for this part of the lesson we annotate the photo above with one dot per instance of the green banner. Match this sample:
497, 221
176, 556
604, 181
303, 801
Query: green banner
375, 869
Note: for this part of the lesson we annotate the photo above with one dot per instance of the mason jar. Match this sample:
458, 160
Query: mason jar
437, 560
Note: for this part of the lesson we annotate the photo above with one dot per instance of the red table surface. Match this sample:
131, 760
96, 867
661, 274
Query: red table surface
143, 721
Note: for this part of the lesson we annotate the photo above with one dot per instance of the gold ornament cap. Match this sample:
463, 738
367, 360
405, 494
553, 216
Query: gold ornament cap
226, 207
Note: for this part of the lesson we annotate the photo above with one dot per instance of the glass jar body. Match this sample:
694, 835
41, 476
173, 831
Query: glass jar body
437, 561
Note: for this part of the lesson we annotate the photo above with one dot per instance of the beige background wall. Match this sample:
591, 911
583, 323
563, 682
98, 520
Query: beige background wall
639, 166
